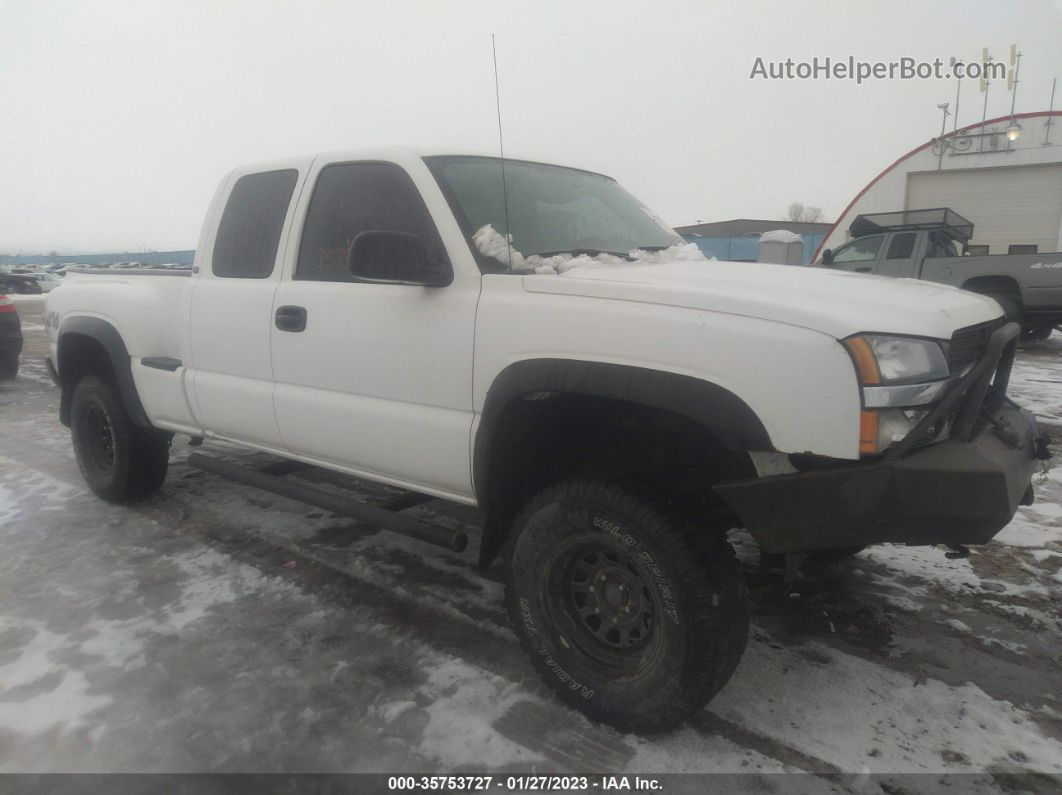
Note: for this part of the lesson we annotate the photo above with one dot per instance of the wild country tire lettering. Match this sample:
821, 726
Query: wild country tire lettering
558, 671
662, 584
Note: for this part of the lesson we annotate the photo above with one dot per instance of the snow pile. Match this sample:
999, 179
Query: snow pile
781, 236
491, 243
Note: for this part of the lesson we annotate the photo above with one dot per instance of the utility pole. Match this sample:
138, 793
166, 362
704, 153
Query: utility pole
1050, 110
1013, 128
958, 87
986, 59
940, 142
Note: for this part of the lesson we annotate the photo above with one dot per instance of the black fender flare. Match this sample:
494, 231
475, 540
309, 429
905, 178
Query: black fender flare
121, 365
711, 406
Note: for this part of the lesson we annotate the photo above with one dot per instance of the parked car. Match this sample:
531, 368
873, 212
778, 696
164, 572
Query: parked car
10, 338
47, 281
930, 245
611, 402
19, 284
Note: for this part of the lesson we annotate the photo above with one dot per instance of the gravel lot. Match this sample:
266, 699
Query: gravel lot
216, 628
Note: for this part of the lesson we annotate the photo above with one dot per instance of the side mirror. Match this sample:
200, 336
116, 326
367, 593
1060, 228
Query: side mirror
395, 258
827, 256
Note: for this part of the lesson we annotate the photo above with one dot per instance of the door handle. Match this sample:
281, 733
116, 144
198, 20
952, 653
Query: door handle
291, 318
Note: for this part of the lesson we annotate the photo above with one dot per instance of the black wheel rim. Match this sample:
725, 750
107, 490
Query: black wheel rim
100, 438
606, 600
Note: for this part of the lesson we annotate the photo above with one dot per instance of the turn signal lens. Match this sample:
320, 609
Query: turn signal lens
868, 432
882, 428
865, 362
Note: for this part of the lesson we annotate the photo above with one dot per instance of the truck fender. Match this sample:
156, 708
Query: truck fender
711, 406
110, 341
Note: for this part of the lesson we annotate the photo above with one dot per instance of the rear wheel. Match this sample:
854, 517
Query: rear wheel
624, 616
120, 461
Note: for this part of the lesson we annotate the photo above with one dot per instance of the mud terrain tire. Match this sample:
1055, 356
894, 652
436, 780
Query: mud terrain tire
120, 461
626, 616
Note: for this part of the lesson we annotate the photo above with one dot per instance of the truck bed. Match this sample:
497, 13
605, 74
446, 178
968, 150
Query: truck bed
1039, 275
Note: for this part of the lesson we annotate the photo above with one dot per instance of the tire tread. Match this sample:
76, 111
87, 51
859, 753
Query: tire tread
145, 451
716, 639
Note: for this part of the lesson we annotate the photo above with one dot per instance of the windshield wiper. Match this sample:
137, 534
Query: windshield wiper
578, 252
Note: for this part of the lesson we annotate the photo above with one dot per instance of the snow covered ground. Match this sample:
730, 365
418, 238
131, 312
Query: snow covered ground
216, 628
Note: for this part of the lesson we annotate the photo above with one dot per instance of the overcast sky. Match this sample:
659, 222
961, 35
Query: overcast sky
119, 118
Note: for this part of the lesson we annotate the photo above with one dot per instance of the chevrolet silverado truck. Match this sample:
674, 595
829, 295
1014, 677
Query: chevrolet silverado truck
530, 339
931, 245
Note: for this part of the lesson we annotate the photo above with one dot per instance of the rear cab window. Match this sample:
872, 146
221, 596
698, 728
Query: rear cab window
251, 225
941, 247
901, 246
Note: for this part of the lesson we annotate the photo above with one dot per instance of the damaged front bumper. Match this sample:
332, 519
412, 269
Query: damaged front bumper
960, 491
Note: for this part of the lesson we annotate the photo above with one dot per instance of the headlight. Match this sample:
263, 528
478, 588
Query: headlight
897, 375
897, 360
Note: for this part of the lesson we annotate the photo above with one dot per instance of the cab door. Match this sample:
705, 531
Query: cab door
375, 378
231, 308
898, 256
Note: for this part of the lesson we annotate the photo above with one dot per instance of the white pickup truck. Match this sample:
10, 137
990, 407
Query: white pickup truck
531, 339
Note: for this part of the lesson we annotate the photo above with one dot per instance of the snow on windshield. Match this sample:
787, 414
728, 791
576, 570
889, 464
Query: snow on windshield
491, 243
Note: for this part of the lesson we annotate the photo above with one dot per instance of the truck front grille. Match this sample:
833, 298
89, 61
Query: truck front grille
968, 344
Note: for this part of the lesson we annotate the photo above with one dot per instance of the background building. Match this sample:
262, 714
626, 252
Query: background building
738, 240
1010, 190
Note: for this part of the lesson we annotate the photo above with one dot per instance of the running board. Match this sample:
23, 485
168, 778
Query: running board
455, 540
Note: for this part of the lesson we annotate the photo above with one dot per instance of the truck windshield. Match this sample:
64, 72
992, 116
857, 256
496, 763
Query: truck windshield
551, 209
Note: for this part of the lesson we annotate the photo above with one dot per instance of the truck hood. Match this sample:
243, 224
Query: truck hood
834, 302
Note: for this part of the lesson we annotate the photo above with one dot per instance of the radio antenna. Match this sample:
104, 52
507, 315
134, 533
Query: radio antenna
501, 152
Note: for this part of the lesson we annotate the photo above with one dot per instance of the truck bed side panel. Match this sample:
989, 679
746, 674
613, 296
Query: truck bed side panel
1030, 271
148, 312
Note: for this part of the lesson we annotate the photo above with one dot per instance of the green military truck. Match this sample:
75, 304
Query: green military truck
932, 245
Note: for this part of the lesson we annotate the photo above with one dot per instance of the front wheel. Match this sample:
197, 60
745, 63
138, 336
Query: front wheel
1010, 304
625, 616
120, 461
1036, 333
